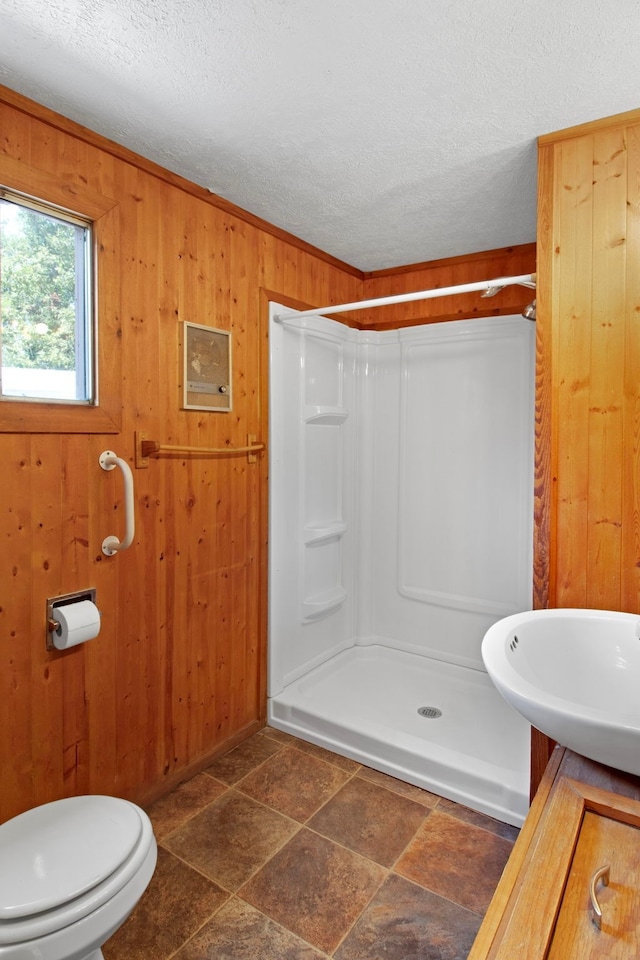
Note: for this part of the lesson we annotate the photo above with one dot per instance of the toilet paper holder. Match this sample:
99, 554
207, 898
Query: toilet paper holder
53, 602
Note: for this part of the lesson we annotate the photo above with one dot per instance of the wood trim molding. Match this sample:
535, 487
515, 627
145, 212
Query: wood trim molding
271, 295
492, 925
20, 416
592, 126
39, 184
45, 115
523, 249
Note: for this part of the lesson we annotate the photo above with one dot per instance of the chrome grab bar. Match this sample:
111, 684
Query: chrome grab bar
111, 545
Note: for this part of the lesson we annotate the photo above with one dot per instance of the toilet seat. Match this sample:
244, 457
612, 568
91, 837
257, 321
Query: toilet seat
63, 860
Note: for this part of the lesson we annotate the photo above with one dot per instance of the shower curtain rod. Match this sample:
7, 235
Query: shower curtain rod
525, 280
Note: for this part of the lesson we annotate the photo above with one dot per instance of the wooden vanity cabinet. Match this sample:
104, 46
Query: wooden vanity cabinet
584, 818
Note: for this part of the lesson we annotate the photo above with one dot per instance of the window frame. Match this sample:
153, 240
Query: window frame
104, 415
85, 320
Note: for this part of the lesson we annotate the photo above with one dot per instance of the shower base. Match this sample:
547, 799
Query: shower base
367, 703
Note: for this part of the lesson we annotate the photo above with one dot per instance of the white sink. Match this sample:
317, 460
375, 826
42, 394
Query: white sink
575, 675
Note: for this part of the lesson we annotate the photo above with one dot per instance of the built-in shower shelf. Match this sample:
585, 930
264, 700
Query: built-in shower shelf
325, 415
319, 534
323, 606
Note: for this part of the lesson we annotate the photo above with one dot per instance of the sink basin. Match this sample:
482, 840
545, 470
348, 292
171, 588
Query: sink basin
575, 675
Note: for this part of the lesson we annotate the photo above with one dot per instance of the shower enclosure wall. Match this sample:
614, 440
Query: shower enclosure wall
401, 468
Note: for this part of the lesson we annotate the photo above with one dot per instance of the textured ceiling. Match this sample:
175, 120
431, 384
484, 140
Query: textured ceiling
384, 132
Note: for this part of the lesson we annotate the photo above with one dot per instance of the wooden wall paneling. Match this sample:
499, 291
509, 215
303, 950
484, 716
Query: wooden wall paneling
201, 627
188, 626
180, 243
250, 518
178, 671
208, 552
242, 672
606, 393
146, 304
73, 453
101, 672
510, 261
544, 532
590, 351
160, 422
595, 357
310, 275
180, 634
139, 706
211, 581
159, 510
167, 546
19, 619
155, 637
225, 582
571, 365
128, 606
291, 276
631, 439
236, 600
117, 590
50, 673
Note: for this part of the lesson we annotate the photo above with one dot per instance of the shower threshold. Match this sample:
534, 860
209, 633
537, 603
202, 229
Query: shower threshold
437, 725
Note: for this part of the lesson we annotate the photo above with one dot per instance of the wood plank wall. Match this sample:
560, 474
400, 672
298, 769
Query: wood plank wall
487, 265
587, 541
178, 671
588, 548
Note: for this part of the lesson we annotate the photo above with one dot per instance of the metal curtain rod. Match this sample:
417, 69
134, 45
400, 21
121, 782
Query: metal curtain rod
526, 280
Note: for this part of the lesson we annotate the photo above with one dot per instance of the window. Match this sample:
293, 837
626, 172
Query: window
64, 205
46, 316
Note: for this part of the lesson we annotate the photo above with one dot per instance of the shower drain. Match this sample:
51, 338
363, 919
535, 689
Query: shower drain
430, 712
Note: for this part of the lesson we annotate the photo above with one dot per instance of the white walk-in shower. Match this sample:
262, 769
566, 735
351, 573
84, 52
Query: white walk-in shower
401, 472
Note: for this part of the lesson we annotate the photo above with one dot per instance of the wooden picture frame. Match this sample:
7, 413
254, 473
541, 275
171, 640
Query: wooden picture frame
206, 368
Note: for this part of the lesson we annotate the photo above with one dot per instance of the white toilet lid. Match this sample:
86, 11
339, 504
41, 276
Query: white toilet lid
59, 851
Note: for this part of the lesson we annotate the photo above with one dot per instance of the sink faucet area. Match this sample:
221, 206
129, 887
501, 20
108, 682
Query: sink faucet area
575, 675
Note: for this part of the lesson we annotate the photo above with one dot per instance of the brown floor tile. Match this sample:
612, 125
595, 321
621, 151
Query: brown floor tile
479, 819
406, 922
278, 735
181, 804
305, 892
456, 860
315, 888
351, 766
240, 761
231, 838
399, 786
239, 932
176, 903
294, 783
370, 820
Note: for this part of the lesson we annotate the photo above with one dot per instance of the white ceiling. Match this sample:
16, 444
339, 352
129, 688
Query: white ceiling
384, 132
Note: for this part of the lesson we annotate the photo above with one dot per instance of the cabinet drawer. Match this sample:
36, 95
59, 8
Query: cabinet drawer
584, 829
602, 842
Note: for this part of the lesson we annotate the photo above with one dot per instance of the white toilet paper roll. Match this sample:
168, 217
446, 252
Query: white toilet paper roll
78, 621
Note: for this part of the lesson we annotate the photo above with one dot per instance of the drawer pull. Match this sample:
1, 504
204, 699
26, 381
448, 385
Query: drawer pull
601, 874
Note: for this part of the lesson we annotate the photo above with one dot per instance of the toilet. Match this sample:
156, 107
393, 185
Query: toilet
71, 872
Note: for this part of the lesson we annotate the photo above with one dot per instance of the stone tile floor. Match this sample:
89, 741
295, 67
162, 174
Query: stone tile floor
281, 850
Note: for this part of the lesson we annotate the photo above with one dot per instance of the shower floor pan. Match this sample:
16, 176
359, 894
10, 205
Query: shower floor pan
367, 703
